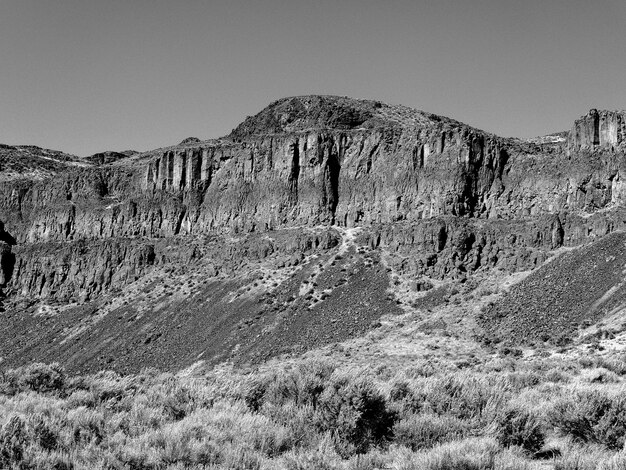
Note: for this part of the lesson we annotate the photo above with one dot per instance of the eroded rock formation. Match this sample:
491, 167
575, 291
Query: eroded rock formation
598, 129
440, 198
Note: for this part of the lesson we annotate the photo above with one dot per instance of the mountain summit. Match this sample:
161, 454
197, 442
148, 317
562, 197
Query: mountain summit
313, 112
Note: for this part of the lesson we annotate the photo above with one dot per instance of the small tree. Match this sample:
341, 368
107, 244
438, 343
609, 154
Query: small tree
520, 427
356, 413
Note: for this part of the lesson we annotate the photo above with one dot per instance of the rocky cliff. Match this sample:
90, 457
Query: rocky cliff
438, 198
598, 129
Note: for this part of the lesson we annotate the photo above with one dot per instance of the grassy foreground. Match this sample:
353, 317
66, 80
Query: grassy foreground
505, 413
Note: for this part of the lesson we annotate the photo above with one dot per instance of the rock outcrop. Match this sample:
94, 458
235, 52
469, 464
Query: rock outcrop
439, 198
598, 129
309, 161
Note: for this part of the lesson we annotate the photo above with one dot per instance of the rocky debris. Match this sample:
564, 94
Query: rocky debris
405, 167
342, 302
184, 309
432, 197
420, 285
576, 288
306, 113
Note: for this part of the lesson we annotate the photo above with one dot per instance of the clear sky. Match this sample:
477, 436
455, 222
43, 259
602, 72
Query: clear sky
90, 75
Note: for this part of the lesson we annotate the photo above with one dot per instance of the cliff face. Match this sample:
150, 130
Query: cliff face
441, 199
598, 129
325, 161
344, 178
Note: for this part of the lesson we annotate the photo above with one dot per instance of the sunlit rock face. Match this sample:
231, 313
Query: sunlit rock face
598, 129
452, 197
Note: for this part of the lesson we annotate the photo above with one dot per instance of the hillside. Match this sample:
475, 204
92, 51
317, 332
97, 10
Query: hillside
577, 289
303, 228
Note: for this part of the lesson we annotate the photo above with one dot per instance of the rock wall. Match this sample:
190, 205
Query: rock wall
450, 247
78, 271
347, 178
598, 129
403, 175
379, 176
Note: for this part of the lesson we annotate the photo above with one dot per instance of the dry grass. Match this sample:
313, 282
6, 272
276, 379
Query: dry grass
315, 414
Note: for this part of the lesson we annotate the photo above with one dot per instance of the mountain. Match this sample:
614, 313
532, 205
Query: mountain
301, 228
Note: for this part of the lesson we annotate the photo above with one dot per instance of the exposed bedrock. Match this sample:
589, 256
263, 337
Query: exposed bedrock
453, 247
81, 270
7, 257
78, 271
455, 197
598, 129
348, 178
438, 248
312, 179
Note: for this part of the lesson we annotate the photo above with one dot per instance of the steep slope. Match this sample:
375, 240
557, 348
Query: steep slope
577, 288
431, 199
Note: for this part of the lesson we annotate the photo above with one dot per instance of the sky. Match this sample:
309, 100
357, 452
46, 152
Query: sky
84, 76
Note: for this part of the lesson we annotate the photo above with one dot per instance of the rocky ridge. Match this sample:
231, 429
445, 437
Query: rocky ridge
434, 198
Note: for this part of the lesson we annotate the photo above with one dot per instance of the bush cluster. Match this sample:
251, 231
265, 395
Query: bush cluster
592, 416
312, 415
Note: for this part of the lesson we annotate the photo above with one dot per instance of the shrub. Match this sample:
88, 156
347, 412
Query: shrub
617, 462
592, 416
42, 434
87, 426
302, 386
514, 459
52, 461
599, 375
297, 419
616, 364
467, 397
240, 457
41, 378
373, 460
520, 427
405, 398
310, 460
313, 378
468, 454
583, 458
519, 380
427, 430
356, 413
400, 390
557, 375
177, 402
254, 394
12, 442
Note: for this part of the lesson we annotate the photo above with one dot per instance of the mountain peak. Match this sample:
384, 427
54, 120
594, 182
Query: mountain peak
303, 113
